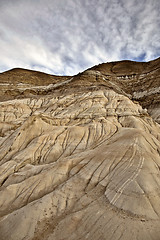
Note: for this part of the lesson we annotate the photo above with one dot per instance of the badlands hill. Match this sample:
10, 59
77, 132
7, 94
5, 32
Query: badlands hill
80, 155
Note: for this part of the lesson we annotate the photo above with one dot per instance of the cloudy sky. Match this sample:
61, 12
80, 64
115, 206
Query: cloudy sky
65, 37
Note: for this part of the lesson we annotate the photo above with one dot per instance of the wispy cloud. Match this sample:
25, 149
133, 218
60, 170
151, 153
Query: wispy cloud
65, 37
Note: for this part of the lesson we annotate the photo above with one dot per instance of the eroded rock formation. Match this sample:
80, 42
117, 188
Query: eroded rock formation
80, 156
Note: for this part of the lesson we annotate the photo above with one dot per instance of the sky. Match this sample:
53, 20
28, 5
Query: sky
65, 37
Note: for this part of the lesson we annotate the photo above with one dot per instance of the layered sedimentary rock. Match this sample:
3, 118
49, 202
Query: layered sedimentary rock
80, 155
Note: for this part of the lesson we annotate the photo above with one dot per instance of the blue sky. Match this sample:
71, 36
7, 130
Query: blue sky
65, 37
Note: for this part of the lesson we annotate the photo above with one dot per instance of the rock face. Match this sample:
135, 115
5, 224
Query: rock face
80, 156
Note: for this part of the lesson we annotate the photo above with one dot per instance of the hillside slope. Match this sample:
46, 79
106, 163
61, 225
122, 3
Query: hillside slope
80, 156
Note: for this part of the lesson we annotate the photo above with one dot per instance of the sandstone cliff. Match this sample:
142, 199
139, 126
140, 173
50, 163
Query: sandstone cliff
80, 155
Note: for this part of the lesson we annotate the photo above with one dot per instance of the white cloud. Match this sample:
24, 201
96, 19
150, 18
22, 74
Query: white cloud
65, 37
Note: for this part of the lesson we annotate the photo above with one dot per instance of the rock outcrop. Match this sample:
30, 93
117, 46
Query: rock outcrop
80, 155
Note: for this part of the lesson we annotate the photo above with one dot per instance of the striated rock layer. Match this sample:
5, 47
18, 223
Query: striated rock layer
80, 156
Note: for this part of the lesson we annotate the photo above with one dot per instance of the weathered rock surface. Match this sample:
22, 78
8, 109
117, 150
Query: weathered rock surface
80, 156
